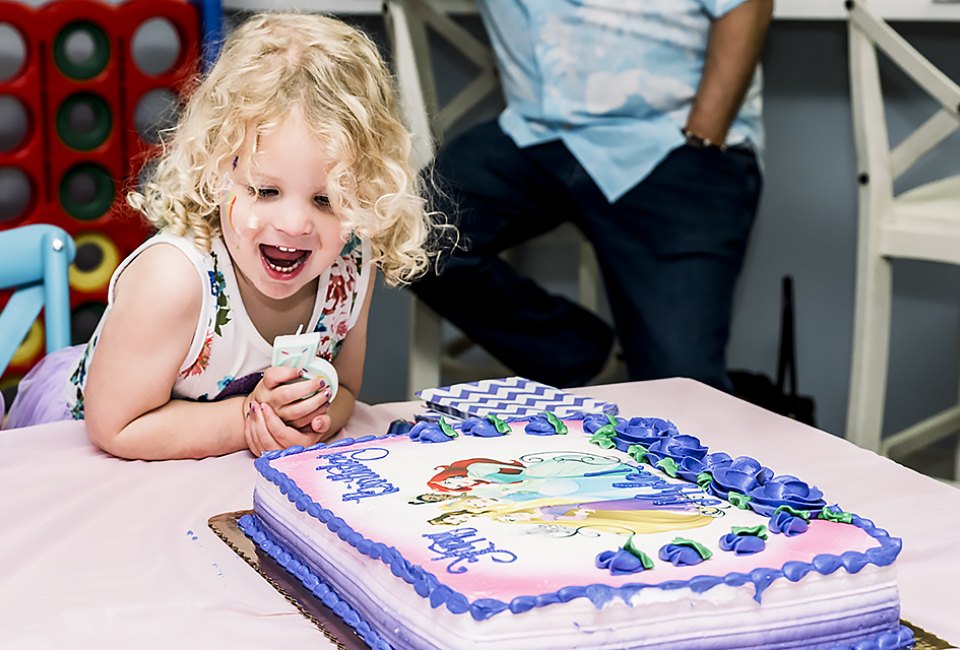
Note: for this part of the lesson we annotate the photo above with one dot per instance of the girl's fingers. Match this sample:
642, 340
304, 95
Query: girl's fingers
284, 436
265, 439
321, 426
300, 413
249, 432
275, 376
293, 394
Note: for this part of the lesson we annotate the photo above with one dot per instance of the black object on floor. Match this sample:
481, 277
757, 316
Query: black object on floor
780, 397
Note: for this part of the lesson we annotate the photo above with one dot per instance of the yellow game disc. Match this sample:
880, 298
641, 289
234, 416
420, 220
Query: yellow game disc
97, 259
31, 347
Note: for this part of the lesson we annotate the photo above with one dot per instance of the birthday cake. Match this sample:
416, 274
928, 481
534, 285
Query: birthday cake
544, 533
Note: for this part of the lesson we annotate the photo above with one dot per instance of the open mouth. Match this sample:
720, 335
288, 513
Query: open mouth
282, 260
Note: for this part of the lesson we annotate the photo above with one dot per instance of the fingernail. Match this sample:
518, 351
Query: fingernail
303, 373
327, 393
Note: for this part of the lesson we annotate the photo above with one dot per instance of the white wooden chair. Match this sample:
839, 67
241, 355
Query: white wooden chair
922, 223
407, 22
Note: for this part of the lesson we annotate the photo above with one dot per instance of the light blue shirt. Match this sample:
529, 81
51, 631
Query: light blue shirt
613, 79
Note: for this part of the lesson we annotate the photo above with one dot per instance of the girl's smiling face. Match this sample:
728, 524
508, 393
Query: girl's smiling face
276, 218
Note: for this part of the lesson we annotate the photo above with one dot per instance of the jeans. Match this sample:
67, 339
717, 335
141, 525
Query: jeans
669, 250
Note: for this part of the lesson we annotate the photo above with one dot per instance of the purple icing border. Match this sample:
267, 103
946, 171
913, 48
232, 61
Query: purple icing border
428, 586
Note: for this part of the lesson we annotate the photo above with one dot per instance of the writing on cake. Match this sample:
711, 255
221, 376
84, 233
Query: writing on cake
350, 466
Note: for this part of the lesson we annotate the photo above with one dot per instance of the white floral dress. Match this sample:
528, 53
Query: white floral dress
228, 355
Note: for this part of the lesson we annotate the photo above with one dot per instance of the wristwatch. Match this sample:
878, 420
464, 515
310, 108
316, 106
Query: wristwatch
701, 142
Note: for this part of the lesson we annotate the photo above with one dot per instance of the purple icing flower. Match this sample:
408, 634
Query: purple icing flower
785, 490
677, 447
787, 523
680, 554
741, 475
619, 562
690, 467
742, 544
480, 427
539, 425
645, 431
428, 432
593, 421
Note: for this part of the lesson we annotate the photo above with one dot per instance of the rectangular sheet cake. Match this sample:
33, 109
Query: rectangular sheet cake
543, 534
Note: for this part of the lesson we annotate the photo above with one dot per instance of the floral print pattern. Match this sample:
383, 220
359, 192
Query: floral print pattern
227, 363
340, 300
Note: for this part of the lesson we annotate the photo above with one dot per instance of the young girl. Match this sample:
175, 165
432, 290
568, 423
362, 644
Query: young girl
287, 179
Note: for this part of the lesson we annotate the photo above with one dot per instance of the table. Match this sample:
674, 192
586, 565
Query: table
100, 552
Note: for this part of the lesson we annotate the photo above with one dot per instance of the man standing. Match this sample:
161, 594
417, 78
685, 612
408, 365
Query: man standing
639, 121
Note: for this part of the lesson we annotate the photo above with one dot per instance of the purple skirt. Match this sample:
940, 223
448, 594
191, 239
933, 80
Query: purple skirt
42, 394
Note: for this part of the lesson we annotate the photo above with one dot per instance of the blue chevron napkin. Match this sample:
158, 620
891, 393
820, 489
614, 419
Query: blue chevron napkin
510, 397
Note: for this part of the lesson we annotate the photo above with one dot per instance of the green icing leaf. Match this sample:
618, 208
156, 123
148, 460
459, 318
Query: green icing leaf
603, 437
704, 479
612, 419
739, 500
668, 465
757, 531
637, 452
631, 547
803, 514
446, 428
704, 552
606, 430
556, 423
498, 424
836, 516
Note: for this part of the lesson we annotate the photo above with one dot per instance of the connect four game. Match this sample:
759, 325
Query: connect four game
85, 88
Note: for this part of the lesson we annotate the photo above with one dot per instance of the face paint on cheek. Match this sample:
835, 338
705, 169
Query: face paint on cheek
233, 201
232, 197
253, 222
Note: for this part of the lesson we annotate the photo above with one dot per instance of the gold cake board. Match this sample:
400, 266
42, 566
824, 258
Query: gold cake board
338, 632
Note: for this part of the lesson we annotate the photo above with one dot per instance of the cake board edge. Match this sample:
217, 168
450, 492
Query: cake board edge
333, 628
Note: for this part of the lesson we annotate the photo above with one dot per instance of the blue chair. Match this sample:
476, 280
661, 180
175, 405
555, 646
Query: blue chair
33, 262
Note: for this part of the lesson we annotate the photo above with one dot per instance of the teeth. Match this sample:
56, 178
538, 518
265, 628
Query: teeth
287, 250
286, 269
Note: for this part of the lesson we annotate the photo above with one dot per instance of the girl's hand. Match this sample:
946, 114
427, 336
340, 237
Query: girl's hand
263, 431
294, 402
279, 411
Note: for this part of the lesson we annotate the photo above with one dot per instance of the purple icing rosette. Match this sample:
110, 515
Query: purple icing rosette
684, 552
677, 447
644, 431
690, 467
744, 541
742, 475
787, 523
742, 544
480, 427
594, 421
540, 425
619, 562
785, 490
428, 432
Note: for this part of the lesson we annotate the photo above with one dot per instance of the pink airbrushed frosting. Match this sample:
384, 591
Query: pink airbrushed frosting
534, 570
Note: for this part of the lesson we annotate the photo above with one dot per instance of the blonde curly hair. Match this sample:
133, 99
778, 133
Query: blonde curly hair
333, 73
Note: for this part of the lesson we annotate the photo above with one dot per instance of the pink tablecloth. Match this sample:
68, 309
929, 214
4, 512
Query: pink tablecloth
101, 552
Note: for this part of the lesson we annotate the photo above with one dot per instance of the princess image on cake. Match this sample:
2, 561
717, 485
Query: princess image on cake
568, 489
